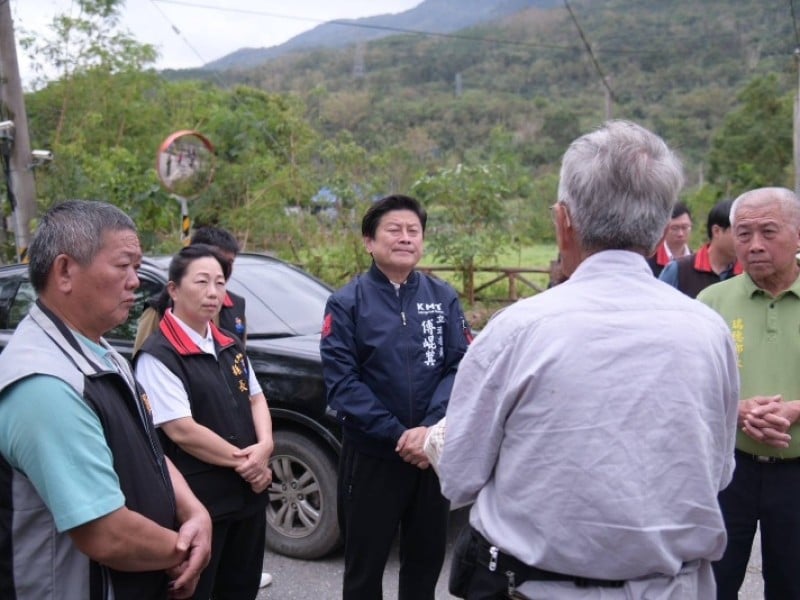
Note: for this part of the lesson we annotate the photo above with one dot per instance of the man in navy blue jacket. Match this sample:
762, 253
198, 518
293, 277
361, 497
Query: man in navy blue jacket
392, 339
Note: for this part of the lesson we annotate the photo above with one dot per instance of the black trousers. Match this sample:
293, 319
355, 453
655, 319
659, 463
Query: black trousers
376, 497
768, 493
237, 556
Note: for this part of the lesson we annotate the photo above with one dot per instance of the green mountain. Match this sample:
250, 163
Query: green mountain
435, 16
674, 65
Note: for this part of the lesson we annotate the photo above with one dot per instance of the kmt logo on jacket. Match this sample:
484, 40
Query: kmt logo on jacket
427, 308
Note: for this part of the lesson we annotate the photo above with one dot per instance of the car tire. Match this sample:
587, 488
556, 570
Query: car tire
301, 514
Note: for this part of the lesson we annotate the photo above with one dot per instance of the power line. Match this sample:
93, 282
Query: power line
178, 31
341, 23
589, 50
417, 32
794, 23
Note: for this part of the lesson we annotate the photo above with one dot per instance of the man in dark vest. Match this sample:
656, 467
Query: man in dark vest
90, 507
715, 261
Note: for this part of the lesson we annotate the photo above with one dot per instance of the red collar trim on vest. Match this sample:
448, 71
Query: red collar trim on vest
662, 258
702, 261
227, 301
181, 341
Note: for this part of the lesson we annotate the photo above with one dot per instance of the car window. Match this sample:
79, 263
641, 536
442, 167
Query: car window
8, 291
147, 289
22, 302
280, 299
16, 297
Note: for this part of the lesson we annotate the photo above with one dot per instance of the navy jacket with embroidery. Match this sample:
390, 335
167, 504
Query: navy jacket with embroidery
389, 357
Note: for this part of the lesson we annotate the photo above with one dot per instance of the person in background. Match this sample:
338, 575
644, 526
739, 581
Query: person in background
762, 309
594, 471
392, 339
90, 507
214, 419
715, 261
675, 242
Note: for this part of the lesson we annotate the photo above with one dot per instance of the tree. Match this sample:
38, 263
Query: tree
753, 148
90, 41
468, 216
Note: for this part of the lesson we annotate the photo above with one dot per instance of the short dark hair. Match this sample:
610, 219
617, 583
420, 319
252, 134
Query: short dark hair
680, 209
720, 214
217, 237
373, 216
75, 228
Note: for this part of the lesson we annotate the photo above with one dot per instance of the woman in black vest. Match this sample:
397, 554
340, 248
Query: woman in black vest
213, 419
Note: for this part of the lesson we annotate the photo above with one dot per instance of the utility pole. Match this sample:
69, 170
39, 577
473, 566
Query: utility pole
20, 182
797, 125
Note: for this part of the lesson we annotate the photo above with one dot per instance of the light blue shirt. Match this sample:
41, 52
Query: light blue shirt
593, 426
48, 432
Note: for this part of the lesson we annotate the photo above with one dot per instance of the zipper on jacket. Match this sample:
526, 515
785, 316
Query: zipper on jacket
403, 316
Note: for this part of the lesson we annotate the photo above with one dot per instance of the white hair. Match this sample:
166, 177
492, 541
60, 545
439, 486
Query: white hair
620, 184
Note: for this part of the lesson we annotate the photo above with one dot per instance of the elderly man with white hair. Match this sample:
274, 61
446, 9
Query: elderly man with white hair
594, 470
762, 309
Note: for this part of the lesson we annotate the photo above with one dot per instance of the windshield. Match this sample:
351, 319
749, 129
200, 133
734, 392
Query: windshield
281, 300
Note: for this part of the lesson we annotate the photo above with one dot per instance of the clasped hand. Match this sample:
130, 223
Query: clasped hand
410, 447
254, 469
767, 419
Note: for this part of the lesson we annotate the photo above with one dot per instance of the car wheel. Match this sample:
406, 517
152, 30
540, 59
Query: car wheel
301, 514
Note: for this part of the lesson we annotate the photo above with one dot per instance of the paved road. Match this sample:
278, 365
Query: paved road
322, 579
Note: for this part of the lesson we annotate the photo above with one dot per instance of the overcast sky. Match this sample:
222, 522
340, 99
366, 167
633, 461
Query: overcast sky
209, 29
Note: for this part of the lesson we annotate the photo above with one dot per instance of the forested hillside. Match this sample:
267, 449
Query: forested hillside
473, 122
676, 65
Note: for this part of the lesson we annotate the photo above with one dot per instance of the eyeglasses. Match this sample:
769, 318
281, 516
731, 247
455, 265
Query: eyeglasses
679, 228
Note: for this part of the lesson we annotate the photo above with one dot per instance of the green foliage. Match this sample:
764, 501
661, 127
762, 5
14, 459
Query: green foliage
713, 78
468, 218
754, 145
89, 41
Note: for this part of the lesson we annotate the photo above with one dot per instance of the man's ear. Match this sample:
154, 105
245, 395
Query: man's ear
368, 243
563, 225
63, 272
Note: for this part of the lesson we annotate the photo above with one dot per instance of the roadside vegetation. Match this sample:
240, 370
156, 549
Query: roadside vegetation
302, 148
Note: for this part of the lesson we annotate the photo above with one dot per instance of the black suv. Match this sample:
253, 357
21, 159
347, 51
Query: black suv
285, 308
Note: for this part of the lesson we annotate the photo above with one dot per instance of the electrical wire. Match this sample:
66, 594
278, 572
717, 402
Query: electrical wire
589, 50
794, 23
360, 25
178, 32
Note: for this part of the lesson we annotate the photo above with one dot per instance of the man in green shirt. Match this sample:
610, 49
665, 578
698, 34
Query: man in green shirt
762, 309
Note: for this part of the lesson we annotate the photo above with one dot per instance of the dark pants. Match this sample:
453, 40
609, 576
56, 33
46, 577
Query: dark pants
768, 493
237, 555
376, 496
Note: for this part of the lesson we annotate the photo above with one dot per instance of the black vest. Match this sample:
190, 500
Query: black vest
691, 281
219, 398
128, 429
232, 318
